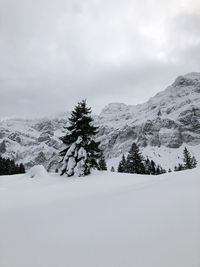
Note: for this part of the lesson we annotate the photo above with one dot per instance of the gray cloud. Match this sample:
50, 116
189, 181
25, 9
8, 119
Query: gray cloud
54, 53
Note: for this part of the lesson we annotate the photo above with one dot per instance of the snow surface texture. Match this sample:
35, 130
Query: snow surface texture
106, 219
169, 120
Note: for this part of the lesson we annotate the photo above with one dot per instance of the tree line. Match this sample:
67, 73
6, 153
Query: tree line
135, 162
9, 167
189, 161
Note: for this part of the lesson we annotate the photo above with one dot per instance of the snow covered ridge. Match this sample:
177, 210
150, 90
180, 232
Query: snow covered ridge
169, 120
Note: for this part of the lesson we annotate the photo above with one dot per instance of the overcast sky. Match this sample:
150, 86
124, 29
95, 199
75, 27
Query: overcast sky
54, 53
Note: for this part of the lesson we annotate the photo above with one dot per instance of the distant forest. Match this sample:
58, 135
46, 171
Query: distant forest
9, 167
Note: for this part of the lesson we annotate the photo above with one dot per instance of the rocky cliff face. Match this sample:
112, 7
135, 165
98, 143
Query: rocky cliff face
33, 142
170, 119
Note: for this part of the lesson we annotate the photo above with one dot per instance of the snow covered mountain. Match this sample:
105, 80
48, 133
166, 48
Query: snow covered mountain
165, 122
32, 142
170, 118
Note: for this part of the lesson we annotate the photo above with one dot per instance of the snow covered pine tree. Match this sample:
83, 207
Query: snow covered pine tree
82, 151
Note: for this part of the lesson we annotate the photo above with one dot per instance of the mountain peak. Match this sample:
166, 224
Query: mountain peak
113, 108
189, 79
193, 75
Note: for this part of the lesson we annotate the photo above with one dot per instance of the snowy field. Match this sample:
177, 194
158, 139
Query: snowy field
103, 220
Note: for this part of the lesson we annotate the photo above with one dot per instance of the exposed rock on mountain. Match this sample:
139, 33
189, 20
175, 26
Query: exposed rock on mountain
170, 118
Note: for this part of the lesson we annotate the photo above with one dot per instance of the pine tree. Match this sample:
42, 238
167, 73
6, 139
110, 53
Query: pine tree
189, 161
82, 151
135, 160
122, 165
153, 167
175, 168
194, 162
158, 170
21, 168
180, 167
102, 164
147, 164
112, 169
1, 166
163, 170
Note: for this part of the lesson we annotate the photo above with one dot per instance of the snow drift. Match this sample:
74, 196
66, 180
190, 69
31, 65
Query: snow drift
37, 171
106, 219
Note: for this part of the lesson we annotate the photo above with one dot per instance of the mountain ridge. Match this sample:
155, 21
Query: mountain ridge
170, 119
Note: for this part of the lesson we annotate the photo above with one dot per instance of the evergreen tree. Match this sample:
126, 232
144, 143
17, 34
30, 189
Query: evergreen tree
1, 166
189, 161
82, 151
175, 168
194, 162
21, 168
163, 170
147, 164
180, 167
102, 164
122, 165
152, 167
158, 170
135, 160
112, 169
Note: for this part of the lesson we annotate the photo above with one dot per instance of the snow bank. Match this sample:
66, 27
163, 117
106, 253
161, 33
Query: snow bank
37, 171
106, 219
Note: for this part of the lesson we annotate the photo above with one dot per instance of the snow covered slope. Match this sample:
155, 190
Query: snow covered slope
169, 120
106, 219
